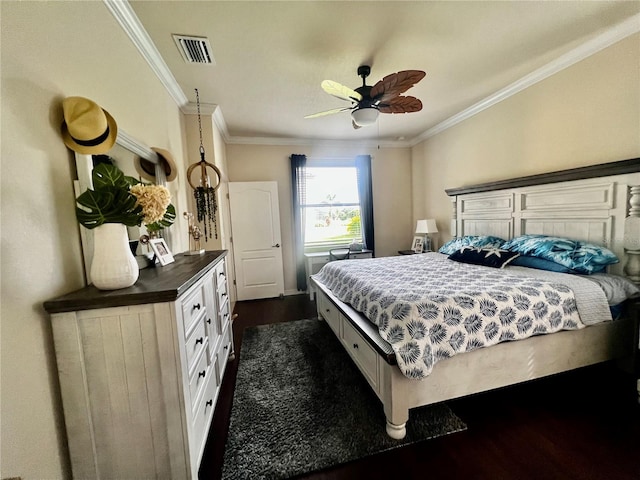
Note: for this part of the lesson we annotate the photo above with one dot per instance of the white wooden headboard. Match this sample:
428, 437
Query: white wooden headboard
598, 204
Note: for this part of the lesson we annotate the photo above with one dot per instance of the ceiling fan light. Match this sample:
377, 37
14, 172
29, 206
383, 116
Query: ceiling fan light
365, 116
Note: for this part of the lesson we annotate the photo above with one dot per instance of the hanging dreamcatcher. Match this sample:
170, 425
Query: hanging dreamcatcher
205, 192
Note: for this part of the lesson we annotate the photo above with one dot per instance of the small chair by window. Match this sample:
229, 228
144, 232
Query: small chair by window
338, 254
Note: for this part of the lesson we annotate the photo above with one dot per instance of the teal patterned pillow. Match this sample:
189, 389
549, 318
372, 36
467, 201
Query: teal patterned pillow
478, 241
579, 256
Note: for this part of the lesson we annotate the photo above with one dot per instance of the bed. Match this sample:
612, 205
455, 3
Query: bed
599, 205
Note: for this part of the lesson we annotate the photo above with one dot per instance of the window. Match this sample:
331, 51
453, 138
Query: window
331, 206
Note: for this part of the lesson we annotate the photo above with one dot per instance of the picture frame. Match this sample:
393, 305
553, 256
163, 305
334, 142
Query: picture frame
161, 249
418, 244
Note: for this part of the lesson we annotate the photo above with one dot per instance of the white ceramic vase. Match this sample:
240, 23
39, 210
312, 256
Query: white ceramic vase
113, 265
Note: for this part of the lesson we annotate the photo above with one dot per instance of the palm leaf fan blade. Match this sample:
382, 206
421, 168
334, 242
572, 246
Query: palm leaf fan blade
401, 105
395, 84
328, 112
340, 91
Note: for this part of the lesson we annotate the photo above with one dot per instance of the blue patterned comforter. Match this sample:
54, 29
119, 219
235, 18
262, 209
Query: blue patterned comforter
430, 308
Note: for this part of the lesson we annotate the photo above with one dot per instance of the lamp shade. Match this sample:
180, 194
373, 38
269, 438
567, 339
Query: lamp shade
365, 116
426, 226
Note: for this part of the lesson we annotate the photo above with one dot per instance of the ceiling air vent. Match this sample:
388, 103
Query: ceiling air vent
194, 49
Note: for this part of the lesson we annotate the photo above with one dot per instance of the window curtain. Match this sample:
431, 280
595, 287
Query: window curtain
299, 192
365, 192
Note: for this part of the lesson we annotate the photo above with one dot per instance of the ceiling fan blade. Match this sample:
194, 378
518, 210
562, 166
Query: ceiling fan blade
340, 91
328, 112
401, 105
395, 84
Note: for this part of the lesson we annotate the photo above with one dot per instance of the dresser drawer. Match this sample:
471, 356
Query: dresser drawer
222, 293
195, 343
221, 275
198, 379
329, 312
192, 306
361, 352
202, 416
224, 349
224, 316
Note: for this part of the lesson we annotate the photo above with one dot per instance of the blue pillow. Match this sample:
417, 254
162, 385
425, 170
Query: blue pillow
488, 257
540, 264
579, 256
478, 241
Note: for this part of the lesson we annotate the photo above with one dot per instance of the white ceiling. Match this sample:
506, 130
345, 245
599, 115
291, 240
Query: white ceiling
270, 57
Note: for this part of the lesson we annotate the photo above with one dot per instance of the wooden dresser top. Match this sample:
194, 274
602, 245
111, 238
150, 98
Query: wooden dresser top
154, 285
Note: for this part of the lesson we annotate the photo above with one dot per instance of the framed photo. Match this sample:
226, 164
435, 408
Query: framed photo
161, 249
418, 244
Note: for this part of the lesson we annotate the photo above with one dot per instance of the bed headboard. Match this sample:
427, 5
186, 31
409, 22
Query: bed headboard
599, 204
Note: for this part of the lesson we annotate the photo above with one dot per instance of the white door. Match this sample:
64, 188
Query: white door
257, 245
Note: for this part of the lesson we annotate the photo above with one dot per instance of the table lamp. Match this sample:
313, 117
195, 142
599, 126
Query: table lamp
425, 227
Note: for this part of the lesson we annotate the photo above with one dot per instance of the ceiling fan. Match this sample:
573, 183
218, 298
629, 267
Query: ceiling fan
367, 101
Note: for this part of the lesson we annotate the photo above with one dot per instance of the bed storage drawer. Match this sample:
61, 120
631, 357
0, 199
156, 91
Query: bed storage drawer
329, 312
361, 352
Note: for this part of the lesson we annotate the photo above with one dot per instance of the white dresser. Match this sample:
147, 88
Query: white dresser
140, 369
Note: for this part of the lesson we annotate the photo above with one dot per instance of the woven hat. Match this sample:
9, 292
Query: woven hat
147, 169
87, 128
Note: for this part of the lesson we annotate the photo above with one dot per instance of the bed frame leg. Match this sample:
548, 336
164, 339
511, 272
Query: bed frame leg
397, 432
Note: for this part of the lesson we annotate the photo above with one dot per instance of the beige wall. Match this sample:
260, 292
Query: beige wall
51, 50
391, 177
584, 115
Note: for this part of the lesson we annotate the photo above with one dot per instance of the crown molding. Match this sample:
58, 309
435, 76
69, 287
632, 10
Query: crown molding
128, 20
209, 109
286, 141
590, 47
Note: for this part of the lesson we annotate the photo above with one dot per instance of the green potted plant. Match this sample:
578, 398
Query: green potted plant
118, 201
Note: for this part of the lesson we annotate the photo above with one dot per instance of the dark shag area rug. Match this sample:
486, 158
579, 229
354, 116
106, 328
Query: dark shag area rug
301, 405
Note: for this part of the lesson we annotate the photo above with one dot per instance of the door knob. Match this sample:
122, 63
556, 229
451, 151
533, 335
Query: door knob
277, 245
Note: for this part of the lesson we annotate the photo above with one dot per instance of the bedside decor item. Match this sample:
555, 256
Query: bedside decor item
117, 202
204, 192
161, 249
418, 244
425, 227
87, 128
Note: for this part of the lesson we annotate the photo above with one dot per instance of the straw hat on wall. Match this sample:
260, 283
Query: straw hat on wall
87, 128
147, 169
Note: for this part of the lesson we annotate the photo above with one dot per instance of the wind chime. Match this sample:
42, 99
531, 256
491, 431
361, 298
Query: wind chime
204, 192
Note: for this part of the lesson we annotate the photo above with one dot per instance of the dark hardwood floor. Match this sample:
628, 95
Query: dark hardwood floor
579, 425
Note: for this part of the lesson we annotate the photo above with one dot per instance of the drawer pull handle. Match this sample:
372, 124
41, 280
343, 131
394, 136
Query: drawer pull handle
209, 321
221, 274
195, 307
328, 310
224, 294
202, 373
200, 340
355, 345
225, 347
209, 403
226, 315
